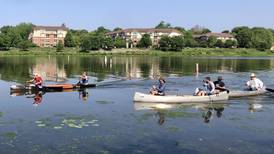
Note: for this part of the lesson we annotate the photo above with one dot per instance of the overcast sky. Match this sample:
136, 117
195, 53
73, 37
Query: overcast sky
216, 15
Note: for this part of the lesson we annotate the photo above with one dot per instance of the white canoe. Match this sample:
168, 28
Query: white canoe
242, 93
140, 97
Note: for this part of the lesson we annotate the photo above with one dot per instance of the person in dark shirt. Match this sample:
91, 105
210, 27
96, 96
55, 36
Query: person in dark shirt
220, 85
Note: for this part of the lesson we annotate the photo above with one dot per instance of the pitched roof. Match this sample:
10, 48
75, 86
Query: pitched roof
219, 35
51, 28
145, 30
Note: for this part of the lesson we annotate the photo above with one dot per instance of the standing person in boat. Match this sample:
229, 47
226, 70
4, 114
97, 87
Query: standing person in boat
160, 88
219, 84
209, 88
254, 83
37, 81
83, 79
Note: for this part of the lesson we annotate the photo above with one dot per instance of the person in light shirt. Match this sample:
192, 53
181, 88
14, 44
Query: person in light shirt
254, 83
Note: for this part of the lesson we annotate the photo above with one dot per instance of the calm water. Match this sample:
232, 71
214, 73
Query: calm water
105, 120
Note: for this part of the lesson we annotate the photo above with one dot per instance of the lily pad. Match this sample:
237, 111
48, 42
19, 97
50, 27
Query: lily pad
57, 127
10, 135
41, 125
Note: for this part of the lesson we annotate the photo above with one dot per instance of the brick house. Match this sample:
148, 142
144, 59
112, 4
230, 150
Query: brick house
134, 35
48, 36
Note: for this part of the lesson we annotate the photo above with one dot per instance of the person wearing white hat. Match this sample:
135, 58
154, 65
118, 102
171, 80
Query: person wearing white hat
254, 83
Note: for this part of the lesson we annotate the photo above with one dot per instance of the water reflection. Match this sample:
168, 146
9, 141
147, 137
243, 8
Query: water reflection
60, 68
162, 110
37, 96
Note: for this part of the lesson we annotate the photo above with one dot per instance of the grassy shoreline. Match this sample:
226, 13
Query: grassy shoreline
187, 52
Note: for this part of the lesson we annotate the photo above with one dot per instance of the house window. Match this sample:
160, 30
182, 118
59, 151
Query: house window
47, 35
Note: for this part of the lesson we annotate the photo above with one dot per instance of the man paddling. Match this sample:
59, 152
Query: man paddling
219, 84
83, 79
209, 88
254, 83
37, 81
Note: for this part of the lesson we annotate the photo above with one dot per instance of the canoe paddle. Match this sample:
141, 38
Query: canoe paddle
270, 90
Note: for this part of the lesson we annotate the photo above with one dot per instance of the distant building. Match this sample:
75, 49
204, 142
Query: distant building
134, 35
272, 48
48, 36
220, 36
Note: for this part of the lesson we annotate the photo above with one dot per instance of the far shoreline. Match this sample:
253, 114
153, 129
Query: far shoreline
186, 52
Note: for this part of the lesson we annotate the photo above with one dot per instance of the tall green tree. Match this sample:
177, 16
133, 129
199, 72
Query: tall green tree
219, 44
69, 40
24, 45
230, 43
119, 42
212, 40
117, 29
59, 46
261, 38
189, 40
145, 41
24, 30
163, 25
177, 43
164, 43
244, 37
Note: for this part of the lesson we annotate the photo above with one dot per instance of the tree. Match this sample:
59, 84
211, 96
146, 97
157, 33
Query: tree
24, 45
206, 30
181, 29
230, 43
59, 46
24, 29
145, 41
261, 38
163, 25
177, 43
219, 44
212, 40
101, 30
244, 37
69, 40
189, 40
199, 30
117, 29
119, 42
236, 30
225, 31
107, 43
4, 42
85, 44
164, 43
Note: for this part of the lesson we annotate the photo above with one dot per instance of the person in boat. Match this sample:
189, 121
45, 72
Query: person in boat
219, 85
254, 83
37, 81
209, 88
159, 89
83, 79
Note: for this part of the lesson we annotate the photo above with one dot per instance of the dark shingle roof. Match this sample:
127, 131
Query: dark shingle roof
145, 30
51, 28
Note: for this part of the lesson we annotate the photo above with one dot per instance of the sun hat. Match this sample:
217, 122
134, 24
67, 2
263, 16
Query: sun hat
252, 75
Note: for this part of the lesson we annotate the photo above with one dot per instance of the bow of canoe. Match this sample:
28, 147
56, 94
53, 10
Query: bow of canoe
243, 93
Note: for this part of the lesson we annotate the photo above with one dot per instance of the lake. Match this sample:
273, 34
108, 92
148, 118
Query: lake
106, 120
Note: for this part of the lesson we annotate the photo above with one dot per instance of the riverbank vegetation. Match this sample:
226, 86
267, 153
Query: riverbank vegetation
254, 41
197, 52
